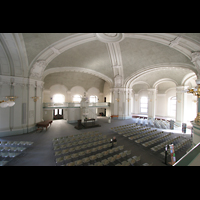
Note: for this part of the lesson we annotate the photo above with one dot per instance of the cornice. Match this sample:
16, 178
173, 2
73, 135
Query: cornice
20, 81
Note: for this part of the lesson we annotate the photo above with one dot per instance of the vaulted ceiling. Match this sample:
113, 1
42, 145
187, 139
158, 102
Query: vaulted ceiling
132, 58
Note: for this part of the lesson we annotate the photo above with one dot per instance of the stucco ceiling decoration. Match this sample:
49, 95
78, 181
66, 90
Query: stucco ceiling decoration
52, 51
183, 44
110, 37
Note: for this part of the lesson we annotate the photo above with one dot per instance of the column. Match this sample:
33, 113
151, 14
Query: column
136, 104
115, 103
128, 95
151, 103
180, 104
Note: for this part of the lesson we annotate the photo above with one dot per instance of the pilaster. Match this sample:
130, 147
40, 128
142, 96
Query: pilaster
151, 102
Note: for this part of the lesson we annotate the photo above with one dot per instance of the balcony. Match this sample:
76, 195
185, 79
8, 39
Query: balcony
75, 105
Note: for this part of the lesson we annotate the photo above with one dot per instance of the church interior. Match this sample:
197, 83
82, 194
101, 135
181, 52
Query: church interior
66, 97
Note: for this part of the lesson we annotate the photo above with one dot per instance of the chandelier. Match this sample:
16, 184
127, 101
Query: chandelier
195, 91
9, 102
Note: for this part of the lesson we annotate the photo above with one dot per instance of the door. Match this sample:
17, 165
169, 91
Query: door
57, 114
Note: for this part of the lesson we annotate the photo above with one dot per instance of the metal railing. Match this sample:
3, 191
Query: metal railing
74, 105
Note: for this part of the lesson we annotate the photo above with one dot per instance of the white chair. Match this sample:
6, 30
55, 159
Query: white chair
136, 158
125, 163
79, 162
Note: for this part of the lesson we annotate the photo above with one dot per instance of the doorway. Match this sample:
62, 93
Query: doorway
57, 114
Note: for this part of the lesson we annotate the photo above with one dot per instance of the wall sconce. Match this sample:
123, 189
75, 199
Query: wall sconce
35, 98
117, 100
128, 99
9, 102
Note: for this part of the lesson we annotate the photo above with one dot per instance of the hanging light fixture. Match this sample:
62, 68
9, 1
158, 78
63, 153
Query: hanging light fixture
9, 102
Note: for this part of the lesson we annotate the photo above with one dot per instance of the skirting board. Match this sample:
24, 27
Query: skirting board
17, 131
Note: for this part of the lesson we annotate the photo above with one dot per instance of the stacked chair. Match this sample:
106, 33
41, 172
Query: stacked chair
11, 149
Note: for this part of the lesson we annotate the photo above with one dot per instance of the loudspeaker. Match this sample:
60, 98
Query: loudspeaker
23, 113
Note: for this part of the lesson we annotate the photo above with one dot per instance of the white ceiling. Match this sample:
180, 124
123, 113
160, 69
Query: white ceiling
135, 57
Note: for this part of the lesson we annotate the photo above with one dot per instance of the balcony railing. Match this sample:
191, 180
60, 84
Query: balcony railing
74, 105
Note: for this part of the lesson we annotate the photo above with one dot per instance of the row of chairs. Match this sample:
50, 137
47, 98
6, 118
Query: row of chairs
12, 148
141, 135
123, 127
16, 143
149, 143
149, 137
136, 129
87, 152
70, 144
135, 132
162, 145
102, 162
71, 150
9, 154
83, 146
77, 137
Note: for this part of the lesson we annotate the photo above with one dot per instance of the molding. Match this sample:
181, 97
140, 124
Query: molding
78, 69
20, 81
116, 60
183, 44
129, 81
14, 48
110, 37
52, 51
187, 77
163, 80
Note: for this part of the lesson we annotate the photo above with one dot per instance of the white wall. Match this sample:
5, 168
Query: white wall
12, 120
161, 108
106, 92
61, 89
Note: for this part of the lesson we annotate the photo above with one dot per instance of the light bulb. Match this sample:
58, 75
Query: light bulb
11, 103
4, 104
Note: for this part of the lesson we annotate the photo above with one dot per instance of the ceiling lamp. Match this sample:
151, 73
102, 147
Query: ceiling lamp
9, 102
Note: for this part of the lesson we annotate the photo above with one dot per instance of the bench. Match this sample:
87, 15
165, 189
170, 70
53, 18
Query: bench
44, 124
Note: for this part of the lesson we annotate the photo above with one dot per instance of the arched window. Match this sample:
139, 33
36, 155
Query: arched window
144, 104
172, 106
58, 98
93, 99
77, 98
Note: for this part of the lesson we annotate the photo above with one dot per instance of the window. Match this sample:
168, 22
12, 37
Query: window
93, 99
77, 98
58, 98
144, 105
172, 106
58, 111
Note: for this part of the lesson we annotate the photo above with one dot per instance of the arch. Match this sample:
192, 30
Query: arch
58, 98
141, 82
187, 78
129, 81
78, 69
164, 80
39, 63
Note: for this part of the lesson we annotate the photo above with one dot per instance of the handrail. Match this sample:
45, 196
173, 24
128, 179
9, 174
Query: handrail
189, 157
74, 105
